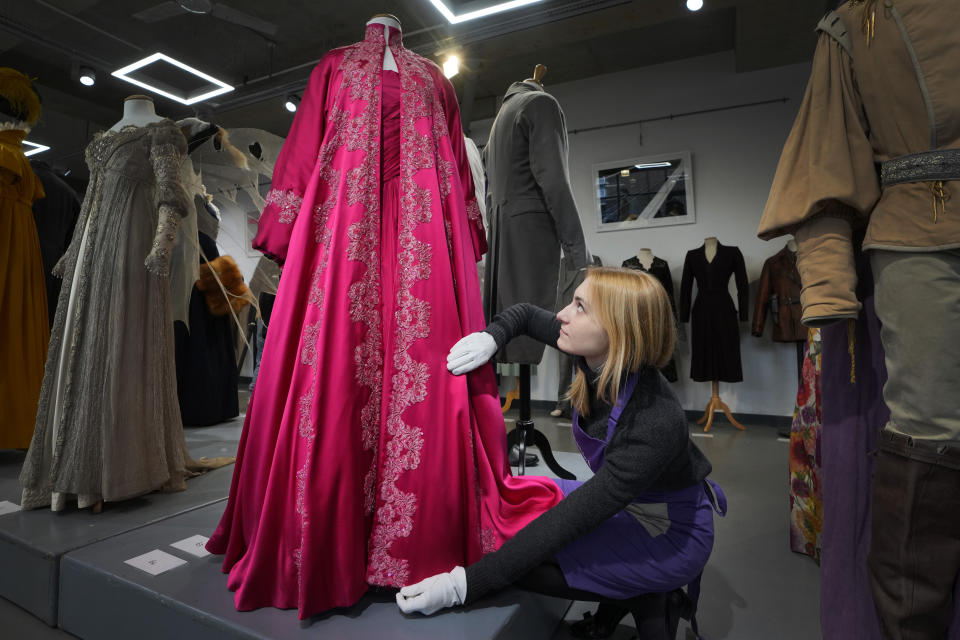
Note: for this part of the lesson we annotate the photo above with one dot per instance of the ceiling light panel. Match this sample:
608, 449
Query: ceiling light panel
34, 148
154, 73
490, 9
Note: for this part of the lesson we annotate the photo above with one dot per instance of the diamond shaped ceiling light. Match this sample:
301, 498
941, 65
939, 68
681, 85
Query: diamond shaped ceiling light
173, 79
480, 12
34, 148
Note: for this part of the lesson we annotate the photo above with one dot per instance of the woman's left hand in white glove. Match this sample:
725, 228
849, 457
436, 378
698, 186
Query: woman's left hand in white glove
436, 592
471, 352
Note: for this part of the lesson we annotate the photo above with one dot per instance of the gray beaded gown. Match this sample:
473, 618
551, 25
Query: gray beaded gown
108, 423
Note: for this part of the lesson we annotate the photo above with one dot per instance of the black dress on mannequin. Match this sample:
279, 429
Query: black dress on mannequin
715, 330
207, 374
660, 270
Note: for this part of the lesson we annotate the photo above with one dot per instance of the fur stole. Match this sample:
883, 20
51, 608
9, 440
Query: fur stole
229, 273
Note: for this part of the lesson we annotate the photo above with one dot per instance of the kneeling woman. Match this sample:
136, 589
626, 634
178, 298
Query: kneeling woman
642, 527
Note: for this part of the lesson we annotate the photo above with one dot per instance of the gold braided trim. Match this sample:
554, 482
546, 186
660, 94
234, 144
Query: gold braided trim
851, 343
868, 18
941, 195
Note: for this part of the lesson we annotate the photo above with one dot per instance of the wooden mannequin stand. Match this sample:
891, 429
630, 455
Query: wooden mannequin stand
525, 433
716, 404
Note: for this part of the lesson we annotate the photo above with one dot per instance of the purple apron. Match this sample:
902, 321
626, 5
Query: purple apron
659, 543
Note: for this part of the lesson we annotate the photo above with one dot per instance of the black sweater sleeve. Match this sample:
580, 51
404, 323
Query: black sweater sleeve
636, 456
525, 319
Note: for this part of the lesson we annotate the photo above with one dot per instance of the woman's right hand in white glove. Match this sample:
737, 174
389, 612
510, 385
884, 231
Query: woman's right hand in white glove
470, 352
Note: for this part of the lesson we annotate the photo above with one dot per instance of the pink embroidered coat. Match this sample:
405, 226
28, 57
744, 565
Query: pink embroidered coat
363, 461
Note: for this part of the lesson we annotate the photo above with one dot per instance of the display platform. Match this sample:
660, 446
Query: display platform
103, 597
33, 542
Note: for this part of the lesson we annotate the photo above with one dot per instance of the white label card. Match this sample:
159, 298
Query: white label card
194, 545
8, 507
155, 562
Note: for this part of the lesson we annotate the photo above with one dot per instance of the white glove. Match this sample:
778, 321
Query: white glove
435, 593
470, 352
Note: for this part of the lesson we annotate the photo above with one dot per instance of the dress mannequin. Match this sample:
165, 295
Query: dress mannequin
710, 246
387, 20
645, 256
710, 249
412, 300
645, 260
24, 327
505, 159
138, 111
779, 295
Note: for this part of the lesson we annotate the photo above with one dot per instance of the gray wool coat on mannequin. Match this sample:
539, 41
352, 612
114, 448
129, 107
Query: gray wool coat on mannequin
530, 210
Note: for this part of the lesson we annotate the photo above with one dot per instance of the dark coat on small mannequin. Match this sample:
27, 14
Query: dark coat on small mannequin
660, 270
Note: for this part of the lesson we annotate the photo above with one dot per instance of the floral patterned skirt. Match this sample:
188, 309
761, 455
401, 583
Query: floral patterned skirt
806, 492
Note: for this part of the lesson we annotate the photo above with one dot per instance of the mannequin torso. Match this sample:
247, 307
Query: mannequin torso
710, 247
138, 111
389, 64
645, 256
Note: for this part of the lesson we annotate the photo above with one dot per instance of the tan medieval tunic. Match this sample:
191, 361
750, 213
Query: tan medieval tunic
867, 103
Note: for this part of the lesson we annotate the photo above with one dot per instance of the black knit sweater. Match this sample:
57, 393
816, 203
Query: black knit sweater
650, 450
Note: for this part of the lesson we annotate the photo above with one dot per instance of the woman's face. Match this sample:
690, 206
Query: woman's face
580, 330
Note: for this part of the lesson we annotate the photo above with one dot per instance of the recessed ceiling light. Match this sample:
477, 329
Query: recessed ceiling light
479, 13
34, 148
87, 77
221, 86
451, 67
694, 5
292, 102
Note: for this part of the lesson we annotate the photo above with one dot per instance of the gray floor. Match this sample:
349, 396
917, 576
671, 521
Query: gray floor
754, 586
17, 624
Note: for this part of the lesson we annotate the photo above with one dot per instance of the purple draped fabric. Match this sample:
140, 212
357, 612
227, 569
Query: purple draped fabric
853, 415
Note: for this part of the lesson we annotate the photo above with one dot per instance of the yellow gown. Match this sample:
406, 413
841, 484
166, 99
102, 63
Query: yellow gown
24, 329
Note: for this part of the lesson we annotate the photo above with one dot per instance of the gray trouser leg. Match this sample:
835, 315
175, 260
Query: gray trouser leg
918, 302
915, 543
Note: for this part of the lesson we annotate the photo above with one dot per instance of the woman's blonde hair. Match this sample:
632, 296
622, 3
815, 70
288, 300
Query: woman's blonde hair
634, 310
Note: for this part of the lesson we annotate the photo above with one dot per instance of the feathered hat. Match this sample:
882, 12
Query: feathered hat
17, 96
